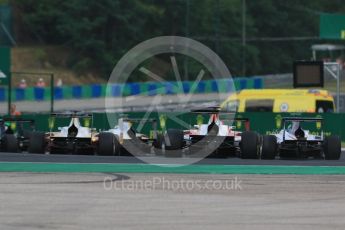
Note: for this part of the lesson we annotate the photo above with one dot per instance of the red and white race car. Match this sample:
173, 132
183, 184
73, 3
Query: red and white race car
218, 137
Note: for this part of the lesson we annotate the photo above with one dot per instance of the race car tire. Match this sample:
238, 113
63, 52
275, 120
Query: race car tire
269, 147
249, 145
2, 145
106, 144
10, 143
37, 143
117, 146
332, 148
158, 143
173, 139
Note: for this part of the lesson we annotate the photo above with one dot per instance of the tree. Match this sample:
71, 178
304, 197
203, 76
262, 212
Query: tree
99, 33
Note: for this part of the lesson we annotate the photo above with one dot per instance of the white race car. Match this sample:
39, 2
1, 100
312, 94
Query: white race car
130, 142
293, 141
73, 138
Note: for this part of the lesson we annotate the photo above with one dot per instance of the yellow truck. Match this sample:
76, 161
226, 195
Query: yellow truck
280, 100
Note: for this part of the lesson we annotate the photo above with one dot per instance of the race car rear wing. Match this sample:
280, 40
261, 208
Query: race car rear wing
69, 115
135, 120
72, 115
17, 119
138, 120
301, 119
211, 110
217, 110
306, 119
18, 123
245, 120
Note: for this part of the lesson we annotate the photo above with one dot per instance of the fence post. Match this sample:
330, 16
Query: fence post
52, 93
9, 92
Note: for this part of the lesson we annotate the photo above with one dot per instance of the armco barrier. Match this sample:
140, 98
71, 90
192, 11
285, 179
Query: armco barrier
258, 83
186, 86
39, 93
263, 123
169, 88
116, 90
214, 86
145, 88
96, 90
152, 89
135, 88
201, 87
242, 84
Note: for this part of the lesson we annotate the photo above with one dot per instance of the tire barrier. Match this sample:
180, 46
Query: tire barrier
96, 90
20, 94
77, 92
145, 88
58, 93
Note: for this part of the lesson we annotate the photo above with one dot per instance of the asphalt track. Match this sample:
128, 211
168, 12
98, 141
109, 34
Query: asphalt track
95, 192
46, 158
89, 201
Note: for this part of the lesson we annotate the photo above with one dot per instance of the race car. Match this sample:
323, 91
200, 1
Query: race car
73, 138
214, 138
294, 141
129, 142
14, 133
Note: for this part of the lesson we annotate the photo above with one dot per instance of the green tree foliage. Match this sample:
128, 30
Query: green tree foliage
99, 32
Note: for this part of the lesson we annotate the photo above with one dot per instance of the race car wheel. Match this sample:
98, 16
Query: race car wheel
174, 139
332, 148
2, 145
158, 143
249, 145
117, 146
106, 144
10, 143
37, 143
269, 147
